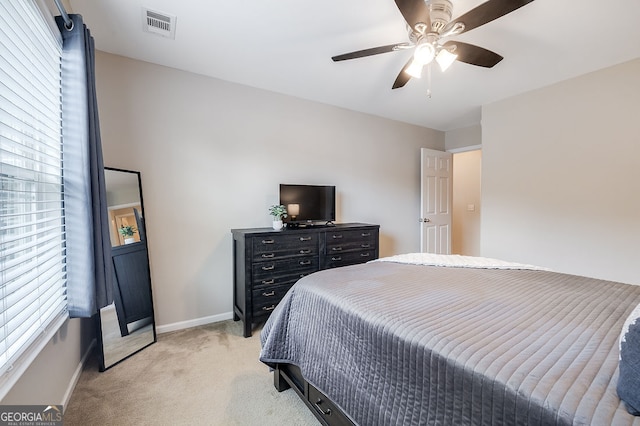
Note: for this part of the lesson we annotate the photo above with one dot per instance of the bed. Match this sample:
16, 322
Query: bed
419, 339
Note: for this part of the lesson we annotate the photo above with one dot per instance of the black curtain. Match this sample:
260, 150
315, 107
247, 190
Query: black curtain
88, 246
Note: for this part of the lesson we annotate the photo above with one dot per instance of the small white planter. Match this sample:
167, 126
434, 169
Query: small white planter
277, 225
129, 240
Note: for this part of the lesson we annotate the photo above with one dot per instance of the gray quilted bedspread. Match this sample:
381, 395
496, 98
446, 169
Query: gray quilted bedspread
397, 344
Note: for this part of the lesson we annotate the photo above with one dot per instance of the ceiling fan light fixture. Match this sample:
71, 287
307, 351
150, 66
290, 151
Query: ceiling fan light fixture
445, 59
429, 24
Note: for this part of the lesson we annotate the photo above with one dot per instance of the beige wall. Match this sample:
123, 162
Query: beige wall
465, 235
52, 375
561, 175
463, 138
211, 155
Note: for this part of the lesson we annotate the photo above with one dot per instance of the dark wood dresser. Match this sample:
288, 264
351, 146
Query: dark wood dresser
267, 262
132, 284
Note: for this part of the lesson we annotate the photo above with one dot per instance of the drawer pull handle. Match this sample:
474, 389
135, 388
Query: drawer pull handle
366, 234
268, 268
336, 248
365, 245
326, 412
268, 241
305, 238
271, 293
269, 308
268, 255
336, 258
271, 281
305, 262
336, 236
306, 251
365, 254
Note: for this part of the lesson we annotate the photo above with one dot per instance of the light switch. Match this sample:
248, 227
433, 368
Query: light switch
471, 207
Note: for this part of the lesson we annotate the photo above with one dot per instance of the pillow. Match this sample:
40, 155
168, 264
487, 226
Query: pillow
633, 316
629, 379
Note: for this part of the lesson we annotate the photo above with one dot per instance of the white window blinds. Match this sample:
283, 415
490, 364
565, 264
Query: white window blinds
32, 264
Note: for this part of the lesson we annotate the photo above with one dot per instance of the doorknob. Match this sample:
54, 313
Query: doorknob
425, 220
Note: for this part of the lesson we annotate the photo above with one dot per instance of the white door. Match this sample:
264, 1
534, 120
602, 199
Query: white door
435, 211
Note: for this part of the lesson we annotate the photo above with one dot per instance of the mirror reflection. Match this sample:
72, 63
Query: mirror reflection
123, 199
126, 325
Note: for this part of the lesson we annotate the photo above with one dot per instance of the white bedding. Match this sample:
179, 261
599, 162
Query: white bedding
457, 261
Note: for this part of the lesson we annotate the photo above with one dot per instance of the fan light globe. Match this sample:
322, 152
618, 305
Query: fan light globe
424, 54
414, 69
445, 59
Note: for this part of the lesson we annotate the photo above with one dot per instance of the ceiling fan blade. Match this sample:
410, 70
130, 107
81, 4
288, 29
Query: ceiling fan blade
370, 52
487, 12
403, 77
474, 55
415, 12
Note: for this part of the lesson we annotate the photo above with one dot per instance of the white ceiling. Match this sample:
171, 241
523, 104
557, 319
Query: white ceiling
286, 46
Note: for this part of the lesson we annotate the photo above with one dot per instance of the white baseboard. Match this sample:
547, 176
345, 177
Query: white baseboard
193, 323
76, 375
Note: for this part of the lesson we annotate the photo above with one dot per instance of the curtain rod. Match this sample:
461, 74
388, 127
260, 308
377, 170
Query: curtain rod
68, 23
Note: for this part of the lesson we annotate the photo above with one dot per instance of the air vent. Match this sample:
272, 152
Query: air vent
159, 23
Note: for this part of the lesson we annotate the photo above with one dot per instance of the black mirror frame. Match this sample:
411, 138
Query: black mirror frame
97, 319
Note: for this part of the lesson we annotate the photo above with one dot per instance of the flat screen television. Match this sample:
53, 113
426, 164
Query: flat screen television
308, 204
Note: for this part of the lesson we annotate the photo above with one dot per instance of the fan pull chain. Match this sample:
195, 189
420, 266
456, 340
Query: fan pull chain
429, 81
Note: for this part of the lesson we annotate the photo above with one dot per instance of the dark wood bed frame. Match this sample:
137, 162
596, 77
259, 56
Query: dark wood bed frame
287, 376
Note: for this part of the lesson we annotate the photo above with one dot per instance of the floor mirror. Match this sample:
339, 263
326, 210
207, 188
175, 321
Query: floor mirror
126, 326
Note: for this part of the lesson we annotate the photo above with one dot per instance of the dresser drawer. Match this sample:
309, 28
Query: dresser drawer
280, 279
284, 267
340, 241
265, 300
284, 245
348, 258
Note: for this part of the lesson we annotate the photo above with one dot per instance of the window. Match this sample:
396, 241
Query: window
32, 242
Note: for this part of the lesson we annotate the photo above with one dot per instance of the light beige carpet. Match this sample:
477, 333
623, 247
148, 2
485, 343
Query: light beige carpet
207, 375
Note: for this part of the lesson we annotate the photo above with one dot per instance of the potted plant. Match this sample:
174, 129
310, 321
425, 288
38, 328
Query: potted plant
279, 212
127, 232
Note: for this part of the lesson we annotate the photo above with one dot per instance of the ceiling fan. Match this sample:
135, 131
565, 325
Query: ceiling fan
429, 25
